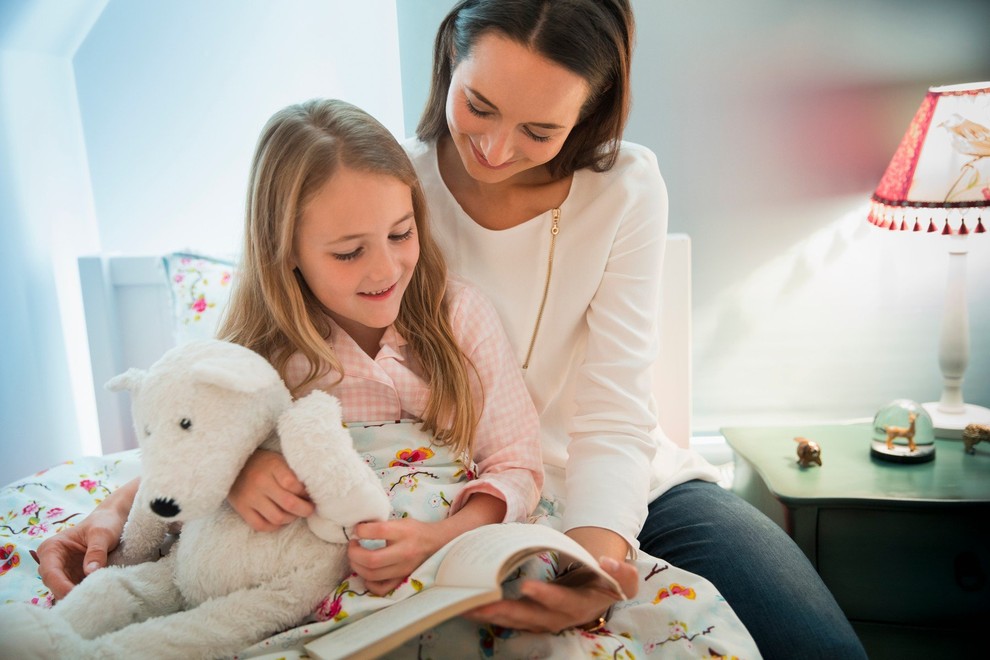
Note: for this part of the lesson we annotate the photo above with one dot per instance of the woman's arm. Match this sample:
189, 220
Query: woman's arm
549, 607
611, 447
69, 556
545, 607
612, 429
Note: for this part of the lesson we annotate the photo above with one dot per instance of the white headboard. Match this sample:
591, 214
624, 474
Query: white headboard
129, 324
672, 372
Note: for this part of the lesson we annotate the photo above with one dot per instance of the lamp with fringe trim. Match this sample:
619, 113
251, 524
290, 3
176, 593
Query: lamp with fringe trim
938, 182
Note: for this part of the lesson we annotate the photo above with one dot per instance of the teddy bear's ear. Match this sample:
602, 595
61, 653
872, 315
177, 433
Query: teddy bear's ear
129, 380
232, 371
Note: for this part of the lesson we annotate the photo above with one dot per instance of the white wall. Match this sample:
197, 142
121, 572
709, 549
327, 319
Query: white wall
46, 217
174, 94
128, 126
773, 122
418, 21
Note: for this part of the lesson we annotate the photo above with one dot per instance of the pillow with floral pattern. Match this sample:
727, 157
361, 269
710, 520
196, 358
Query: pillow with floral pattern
200, 286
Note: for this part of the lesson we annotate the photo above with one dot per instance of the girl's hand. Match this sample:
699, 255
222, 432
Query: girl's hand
267, 494
69, 556
408, 544
549, 607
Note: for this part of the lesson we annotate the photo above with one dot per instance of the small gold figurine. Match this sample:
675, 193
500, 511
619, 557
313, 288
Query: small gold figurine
973, 434
808, 452
902, 432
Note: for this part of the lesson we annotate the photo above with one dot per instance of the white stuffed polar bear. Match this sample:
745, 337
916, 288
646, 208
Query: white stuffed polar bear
199, 413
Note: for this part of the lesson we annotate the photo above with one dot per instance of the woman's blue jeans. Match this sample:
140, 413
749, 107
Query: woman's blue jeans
773, 588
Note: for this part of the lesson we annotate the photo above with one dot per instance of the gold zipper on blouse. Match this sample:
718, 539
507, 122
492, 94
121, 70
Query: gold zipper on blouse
554, 230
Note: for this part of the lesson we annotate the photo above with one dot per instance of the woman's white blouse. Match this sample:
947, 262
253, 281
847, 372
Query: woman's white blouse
605, 456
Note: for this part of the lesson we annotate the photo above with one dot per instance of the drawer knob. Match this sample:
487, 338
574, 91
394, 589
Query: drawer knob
969, 573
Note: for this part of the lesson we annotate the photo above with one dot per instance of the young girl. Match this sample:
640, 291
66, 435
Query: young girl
343, 289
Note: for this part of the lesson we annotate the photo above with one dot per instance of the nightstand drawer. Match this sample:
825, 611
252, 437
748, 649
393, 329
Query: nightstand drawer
918, 566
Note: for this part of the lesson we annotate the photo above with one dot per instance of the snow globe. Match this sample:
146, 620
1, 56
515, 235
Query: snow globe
903, 433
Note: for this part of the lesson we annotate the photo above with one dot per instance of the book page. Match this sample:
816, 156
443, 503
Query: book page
484, 557
470, 574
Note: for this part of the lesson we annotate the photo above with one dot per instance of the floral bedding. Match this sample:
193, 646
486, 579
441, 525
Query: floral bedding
676, 614
34, 508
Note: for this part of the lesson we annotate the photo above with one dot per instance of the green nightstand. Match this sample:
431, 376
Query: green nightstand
905, 549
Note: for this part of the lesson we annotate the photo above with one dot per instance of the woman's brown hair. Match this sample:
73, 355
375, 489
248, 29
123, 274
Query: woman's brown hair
273, 312
592, 38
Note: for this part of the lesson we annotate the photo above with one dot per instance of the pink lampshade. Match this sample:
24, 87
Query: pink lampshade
939, 178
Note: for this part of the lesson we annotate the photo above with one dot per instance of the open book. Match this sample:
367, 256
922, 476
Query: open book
470, 575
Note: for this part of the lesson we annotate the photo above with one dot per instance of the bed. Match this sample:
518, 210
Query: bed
136, 307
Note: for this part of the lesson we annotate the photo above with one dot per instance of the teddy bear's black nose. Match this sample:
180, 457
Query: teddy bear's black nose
165, 508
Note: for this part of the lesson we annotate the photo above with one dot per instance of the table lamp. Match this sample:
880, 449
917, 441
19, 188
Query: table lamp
938, 182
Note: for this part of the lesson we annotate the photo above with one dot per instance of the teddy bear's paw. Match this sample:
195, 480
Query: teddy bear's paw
319, 449
312, 435
317, 412
30, 632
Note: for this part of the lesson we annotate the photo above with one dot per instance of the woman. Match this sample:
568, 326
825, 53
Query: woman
537, 201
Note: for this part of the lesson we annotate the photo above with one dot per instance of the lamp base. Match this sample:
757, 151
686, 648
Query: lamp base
951, 425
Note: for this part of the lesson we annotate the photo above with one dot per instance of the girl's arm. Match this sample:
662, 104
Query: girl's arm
506, 449
267, 494
69, 556
507, 446
410, 542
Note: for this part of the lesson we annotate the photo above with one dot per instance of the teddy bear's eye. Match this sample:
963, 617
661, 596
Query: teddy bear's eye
147, 431
186, 423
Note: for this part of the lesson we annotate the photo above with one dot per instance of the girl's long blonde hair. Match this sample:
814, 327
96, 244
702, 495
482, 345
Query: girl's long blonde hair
273, 312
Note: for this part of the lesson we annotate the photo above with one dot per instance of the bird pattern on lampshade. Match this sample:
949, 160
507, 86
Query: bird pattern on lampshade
941, 168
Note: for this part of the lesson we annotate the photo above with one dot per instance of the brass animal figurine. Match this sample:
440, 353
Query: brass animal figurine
902, 432
974, 434
808, 452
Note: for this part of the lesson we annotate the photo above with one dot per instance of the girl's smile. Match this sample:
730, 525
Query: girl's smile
379, 295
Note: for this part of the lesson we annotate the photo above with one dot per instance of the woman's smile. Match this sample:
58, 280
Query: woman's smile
510, 109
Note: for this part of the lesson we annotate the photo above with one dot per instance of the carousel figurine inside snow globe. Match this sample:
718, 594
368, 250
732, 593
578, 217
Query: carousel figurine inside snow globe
903, 433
